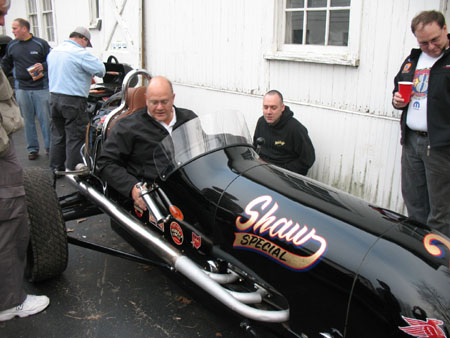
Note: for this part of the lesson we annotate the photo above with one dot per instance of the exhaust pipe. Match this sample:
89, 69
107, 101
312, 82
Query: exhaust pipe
174, 258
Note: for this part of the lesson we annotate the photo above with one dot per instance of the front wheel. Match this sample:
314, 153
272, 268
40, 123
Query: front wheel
47, 250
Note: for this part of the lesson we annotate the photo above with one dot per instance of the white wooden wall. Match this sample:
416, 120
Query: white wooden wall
213, 51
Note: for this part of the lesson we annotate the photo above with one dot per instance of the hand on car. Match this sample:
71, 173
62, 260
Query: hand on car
135, 194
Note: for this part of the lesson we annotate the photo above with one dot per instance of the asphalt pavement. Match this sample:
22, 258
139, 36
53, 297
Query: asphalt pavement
105, 296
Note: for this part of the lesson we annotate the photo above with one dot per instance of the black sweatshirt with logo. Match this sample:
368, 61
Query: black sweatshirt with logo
286, 143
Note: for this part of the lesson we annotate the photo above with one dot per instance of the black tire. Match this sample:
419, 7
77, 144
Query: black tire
47, 250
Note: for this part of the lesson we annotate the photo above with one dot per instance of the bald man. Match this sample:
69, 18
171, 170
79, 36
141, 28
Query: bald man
127, 154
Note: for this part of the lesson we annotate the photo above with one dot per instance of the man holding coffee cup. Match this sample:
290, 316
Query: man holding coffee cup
425, 122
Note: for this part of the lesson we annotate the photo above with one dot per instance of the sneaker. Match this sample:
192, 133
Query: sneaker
80, 169
30, 306
33, 155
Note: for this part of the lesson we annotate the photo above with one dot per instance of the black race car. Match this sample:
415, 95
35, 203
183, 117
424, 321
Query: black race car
289, 255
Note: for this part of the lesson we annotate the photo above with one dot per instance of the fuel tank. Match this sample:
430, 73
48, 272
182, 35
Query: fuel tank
342, 263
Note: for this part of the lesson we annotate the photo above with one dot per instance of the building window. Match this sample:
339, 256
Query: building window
33, 17
94, 13
317, 22
322, 31
40, 16
47, 16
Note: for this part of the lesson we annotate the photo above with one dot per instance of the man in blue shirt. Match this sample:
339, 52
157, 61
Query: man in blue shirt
70, 70
31, 87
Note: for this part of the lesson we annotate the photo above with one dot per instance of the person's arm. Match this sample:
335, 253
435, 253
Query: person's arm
4, 139
304, 151
5, 94
46, 51
256, 133
397, 101
113, 159
7, 62
93, 65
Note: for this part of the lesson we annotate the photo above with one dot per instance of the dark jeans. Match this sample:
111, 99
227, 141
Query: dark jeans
69, 122
426, 182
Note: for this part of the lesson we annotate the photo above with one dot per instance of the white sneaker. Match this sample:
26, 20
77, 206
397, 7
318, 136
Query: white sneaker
30, 306
80, 169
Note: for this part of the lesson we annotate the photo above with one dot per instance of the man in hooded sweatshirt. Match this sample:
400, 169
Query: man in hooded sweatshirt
286, 141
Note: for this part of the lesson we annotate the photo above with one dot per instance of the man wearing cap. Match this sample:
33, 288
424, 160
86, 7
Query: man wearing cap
70, 70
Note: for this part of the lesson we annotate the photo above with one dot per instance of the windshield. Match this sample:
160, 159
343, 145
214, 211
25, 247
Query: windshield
198, 137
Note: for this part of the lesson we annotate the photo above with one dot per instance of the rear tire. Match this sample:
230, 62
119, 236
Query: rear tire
48, 250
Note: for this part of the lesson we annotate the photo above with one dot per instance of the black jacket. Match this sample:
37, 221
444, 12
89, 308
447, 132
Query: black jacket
127, 154
286, 143
22, 54
438, 100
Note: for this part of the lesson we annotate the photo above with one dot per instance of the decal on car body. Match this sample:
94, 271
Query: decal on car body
196, 241
431, 242
277, 229
176, 212
423, 329
177, 233
138, 211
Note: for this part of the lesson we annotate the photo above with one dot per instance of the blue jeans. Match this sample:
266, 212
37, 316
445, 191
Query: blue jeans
34, 103
426, 182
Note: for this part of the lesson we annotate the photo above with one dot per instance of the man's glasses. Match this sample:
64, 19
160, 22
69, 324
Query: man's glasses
434, 41
156, 102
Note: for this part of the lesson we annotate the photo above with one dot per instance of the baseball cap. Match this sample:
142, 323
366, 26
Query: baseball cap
85, 32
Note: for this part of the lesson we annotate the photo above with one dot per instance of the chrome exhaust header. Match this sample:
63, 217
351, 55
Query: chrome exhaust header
180, 262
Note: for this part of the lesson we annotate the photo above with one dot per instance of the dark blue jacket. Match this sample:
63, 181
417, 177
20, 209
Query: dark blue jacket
22, 54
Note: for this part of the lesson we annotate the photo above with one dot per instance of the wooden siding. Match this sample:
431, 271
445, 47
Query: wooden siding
214, 52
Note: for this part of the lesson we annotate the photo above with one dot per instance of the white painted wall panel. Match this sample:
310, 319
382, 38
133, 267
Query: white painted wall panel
209, 43
215, 52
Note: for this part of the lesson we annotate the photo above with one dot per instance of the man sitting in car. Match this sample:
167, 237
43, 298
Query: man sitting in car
127, 155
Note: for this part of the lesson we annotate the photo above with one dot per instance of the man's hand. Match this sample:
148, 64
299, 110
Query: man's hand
135, 194
39, 67
398, 101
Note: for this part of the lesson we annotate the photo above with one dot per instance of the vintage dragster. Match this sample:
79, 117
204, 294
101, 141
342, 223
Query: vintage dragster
285, 253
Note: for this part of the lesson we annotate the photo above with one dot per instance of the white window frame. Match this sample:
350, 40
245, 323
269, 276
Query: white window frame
41, 24
95, 22
339, 55
33, 17
46, 28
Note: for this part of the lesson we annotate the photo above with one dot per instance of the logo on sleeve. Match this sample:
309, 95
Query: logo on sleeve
407, 68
